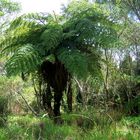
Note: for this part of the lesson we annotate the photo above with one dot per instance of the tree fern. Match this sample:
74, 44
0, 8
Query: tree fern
57, 49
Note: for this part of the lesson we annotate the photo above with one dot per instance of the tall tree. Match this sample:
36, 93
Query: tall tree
56, 48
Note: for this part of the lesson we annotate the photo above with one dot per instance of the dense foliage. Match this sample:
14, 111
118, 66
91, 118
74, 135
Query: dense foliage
58, 47
84, 63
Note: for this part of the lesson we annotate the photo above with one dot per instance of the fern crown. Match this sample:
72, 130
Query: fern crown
74, 38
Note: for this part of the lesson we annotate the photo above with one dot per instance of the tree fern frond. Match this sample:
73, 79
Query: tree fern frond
19, 37
32, 20
52, 36
26, 59
75, 62
11, 44
92, 25
86, 29
80, 63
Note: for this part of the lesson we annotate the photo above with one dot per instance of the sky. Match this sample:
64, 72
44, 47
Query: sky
41, 5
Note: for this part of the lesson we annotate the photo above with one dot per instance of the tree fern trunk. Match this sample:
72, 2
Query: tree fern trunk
55, 75
57, 99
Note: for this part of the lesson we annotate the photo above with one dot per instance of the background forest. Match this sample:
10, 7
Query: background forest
72, 76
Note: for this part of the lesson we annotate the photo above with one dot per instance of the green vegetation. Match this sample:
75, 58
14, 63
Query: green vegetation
72, 76
32, 128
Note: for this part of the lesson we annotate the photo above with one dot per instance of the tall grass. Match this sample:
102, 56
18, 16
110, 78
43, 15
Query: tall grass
82, 126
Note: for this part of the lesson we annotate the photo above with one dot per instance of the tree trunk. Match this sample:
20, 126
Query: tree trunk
57, 99
56, 76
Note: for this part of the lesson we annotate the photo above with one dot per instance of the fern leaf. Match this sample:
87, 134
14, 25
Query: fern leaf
32, 20
74, 61
26, 59
51, 37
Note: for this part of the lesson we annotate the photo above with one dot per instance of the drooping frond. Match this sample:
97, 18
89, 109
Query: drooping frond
22, 28
18, 37
25, 60
79, 63
74, 61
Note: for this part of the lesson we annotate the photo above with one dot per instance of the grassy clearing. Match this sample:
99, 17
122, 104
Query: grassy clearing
72, 127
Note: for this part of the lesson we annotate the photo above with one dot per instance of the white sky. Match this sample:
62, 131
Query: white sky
41, 5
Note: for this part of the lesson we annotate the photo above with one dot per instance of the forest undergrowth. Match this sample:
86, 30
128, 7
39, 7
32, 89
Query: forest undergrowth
85, 125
